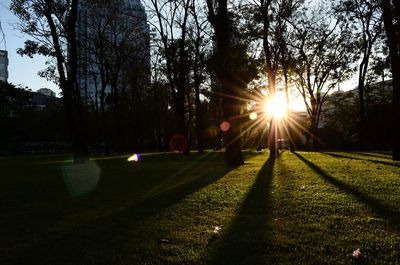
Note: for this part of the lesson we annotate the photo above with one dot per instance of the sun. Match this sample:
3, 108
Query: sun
276, 106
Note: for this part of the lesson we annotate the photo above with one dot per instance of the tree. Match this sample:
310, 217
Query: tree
367, 17
172, 27
12, 99
52, 25
322, 49
95, 56
275, 16
114, 62
197, 35
380, 67
341, 129
14, 104
234, 70
391, 19
20, 120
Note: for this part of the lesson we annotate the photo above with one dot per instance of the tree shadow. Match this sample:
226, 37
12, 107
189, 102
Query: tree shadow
340, 156
248, 238
374, 154
363, 159
101, 233
377, 207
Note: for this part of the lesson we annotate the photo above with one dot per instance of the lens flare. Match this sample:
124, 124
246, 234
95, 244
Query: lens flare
134, 158
178, 143
81, 179
276, 107
253, 116
225, 126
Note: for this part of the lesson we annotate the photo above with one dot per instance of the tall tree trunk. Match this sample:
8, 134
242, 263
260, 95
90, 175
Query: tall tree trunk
313, 122
104, 122
176, 71
96, 109
82, 146
157, 119
272, 139
273, 124
79, 145
68, 80
180, 120
394, 50
314, 133
230, 104
106, 134
288, 113
361, 91
232, 137
361, 97
199, 125
270, 69
117, 118
197, 82
182, 81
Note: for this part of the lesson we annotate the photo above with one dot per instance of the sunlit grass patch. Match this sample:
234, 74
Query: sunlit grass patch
344, 208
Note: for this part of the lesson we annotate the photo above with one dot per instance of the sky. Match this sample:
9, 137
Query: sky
21, 70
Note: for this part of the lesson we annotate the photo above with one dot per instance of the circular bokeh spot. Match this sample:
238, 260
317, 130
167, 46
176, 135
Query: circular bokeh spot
178, 143
225, 126
81, 179
253, 116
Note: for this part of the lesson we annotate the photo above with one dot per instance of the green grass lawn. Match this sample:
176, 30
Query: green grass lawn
302, 208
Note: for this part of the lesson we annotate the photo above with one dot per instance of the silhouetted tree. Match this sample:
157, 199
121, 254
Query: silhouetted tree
198, 37
172, 27
275, 16
323, 51
53, 26
23, 121
367, 19
234, 70
391, 18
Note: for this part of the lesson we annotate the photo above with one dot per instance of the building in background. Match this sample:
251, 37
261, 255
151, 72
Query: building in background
3, 66
128, 29
42, 101
47, 92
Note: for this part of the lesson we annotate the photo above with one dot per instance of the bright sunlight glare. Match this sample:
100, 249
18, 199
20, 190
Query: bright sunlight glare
276, 107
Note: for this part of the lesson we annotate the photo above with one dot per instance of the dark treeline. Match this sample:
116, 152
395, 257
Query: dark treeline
186, 74
31, 122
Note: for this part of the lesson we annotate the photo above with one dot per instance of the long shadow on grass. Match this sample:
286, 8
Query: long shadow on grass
374, 154
101, 234
363, 159
377, 207
248, 238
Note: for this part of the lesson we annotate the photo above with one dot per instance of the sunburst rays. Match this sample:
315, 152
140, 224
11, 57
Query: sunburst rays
261, 108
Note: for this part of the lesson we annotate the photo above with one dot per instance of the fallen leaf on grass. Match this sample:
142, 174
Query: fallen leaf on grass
356, 254
216, 230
